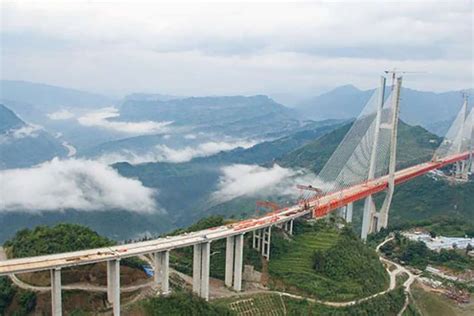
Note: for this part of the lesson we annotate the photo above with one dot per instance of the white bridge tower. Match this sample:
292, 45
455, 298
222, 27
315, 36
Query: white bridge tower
372, 220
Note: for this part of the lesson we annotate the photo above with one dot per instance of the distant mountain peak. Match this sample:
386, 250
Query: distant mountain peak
346, 88
8, 119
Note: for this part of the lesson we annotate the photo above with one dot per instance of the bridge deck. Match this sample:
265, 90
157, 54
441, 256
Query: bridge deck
319, 207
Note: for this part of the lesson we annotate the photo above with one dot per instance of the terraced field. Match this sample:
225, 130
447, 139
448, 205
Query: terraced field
294, 268
291, 268
256, 305
300, 257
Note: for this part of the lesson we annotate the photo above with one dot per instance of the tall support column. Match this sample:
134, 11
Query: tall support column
345, 212
197, 259
206, 258
161, 260
229, 259
349, 210
113, 284
266, 237
288, 227
368, 210
254, 239
201, 262
382, 220
110, 294
257, 239
239, 256
165, 263
56, 301
367, 217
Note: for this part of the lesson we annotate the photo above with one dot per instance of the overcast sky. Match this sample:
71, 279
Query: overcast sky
117, 47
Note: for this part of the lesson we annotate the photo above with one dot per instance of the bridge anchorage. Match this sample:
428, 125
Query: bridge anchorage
363, 164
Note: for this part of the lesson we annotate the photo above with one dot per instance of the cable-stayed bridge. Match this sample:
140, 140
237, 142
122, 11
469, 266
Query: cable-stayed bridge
363, 164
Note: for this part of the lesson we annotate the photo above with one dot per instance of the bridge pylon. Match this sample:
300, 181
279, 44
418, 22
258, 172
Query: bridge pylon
461, 168
372, 220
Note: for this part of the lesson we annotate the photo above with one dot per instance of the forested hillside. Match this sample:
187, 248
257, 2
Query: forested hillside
415, 144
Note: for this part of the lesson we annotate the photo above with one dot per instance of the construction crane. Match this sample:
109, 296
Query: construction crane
394, 72
266, 205
305, 198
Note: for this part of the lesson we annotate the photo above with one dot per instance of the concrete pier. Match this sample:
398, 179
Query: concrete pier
257, 239
229, 260
289, 227
113, 284
238, 262
349, 211
345, 212
265, 240
234, 261
201, 263
56, 300
161, 261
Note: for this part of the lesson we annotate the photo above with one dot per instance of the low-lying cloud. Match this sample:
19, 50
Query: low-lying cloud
83, 185
25, 131
163, 153
255, 181
61, 115
100, 118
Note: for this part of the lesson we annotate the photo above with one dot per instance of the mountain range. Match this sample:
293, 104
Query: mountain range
424, 108
24, 145
49, 98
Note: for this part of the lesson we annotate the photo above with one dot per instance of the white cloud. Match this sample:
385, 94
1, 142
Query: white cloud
80, 184
100, 118
256, 181
29, 130
190, 136
61, 115
163, 153
25, 131
202, 150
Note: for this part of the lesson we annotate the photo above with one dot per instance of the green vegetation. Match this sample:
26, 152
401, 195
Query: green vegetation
326, 264
256, 304
350, 261
274, 304
26, 299
178, 304
415, 144
27, 302
44, 240
417, 254
424, 198
388, 304
7, 292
